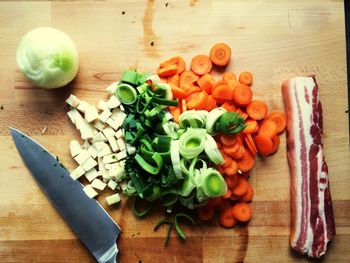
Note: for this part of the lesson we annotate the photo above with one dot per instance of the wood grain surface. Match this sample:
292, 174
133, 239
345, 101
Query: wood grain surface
273, 39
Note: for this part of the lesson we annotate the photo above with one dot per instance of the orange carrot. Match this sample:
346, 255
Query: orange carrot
231, 150
242, 212
176, 112
214, 201
228, 139
183, 105
257, 109
268, 127
252, 126
232, 181
178, 93
205, 213
170, 61
187, 78
248, 196
280, 119
174, 79
229, 106
246, 78
276, 143
201, 64
222, 91
163, 79
181, 65
206, 82
227, 160
231, 169
239, 154
250, 144
241, 187
242, 113
246, 163
220, 54
264, 144
227, 195
230, 78
242, 95
167, 71
198, 101
226, 218
192, 90
211, 103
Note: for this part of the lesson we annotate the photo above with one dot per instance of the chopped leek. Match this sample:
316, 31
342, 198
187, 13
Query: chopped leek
193, 119
212, 150
213, 116
177, 227
126, 94
144, 211
212, 183
131, 77
191, 143
175, 158
230, 123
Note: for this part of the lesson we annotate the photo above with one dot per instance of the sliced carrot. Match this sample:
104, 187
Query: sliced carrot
181, 65
178, 93
163, 79
280, 119
211, 103
239, 154
183, 105
187, 78
220, 170
167, 71
230, 78
231, 150
220, 54
198, 101
242, 95
228, 139
241, 187
232, 169
174, 79
206, 82
246, 163
226, 218
227, 195
246, 78
248, 196
252, 126
222, 91
170, 61
176, 112
214, 201
250, 144
276, 143
242, 113
242, 212
229, 106
205, 213
232, 181
192, 90
201, 64
235, 197
257, 109
268, 127
264, 144
227, 160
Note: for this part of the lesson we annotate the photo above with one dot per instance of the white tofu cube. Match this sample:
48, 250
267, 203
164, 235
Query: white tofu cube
122, 155
112, 123
101, 166
89, 164
82, 157
108, 132
113, 199
110, 158
100, 145
91, 114
98, 184
93, 151
75, 148
72, 114
101, 173
112, 88
105, 151
86, 145
113, 143
77, 172
119, 134
113, 102
83, 105
124, 185
73, 101
120, 118
91, 174
99, 137
79, 121
112, 184
116, 173
102, 105
121, 144
115, 113
99, 125
130, 149
86, 131
105, 176
121, 163
89, 191
107, 166
105, 115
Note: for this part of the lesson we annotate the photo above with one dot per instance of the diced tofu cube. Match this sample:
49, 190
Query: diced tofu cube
98, 184
122, 155
79, 121
83, 105
99, 137
112, 184
105, 115
115, 113
105, 176
130, 149
77, 172
119, 134
110, 158
73, 101
101, 173
105, 151
102, 105
100, 145
107, 166
99, 125
101, 166
89, 164
91, 174
116, 173
124, 185
121, 163
91, 114
82, 157
120, 118
75, 148
112, 123
72, 114
108, 132
114, 165
87, 131
121, 144
89, 191
113, 199
122, 107
113, 143
86, 145
93, 151
113, 102
112, 88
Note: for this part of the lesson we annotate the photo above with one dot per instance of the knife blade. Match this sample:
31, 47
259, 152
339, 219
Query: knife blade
86, 217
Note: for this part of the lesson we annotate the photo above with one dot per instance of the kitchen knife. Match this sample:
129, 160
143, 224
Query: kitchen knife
86, 217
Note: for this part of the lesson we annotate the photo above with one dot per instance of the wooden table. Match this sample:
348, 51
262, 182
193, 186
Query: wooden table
273, 39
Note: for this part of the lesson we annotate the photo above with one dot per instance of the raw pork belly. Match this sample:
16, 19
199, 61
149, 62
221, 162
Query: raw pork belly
312, 221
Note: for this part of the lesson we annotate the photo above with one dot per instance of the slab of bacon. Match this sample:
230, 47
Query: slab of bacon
312, 221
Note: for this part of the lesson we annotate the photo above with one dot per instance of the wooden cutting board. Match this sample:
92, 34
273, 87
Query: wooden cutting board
273, 39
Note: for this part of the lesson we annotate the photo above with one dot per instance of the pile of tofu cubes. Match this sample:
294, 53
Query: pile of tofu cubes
101, 157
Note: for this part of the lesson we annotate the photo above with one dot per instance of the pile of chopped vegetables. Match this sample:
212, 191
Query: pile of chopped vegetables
180, 138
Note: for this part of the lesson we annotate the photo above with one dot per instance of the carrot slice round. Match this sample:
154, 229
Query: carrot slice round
246, 78
220, 54
242, 95
252, 126
206, 82
181, 65
280, 119
242, 212
246, 162
257, 109
241, 187
201, 64
268, 128
248, 196
230, 78
226, 218
264, 144
198, 101
222, 91
187, 78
